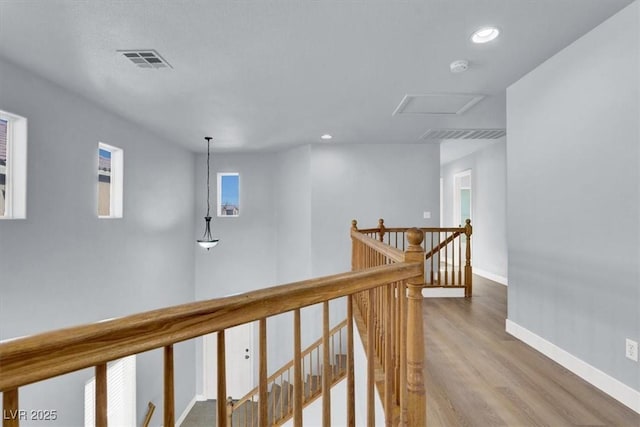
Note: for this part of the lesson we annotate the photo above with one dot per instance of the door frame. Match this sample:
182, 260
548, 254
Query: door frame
457, 178
210, 362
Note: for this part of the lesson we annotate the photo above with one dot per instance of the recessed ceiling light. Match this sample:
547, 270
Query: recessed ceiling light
485, 35
326, 137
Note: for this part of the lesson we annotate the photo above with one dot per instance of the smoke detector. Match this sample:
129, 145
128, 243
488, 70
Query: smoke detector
459, 66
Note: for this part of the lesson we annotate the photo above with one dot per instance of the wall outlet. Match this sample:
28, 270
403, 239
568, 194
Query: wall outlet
426, 215
631, 350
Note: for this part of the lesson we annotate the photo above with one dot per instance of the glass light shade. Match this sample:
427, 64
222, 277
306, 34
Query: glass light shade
485, 35
207, 244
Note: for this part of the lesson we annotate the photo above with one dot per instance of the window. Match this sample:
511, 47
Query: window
121, 394
228, 194
13, 166
110, 181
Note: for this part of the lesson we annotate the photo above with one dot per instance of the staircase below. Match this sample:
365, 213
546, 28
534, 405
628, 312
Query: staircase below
280, 402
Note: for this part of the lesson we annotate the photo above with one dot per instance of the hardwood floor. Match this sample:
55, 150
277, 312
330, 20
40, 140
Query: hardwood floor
478, 375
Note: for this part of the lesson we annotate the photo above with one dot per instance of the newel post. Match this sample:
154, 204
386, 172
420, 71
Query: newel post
416, 401
381, 229
468, 280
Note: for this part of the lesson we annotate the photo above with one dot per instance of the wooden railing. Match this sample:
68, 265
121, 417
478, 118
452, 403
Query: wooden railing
447, 252
390, 322
244, 413
40, 357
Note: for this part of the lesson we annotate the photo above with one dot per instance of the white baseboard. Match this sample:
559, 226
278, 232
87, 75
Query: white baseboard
614, 388
443, 292
188, 409
498, 279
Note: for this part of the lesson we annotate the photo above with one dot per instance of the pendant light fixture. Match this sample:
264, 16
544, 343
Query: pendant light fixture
207, 241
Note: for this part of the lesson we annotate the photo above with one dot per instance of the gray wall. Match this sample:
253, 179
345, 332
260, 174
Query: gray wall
397, 182
489, 205
245, 258
574, 198
296, 211
62, 266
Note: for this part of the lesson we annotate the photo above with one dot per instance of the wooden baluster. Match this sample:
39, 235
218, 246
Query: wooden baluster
397, 334
10, 408
446, 261
432, 257
381, 230
402, 293
297, 370
416, 398
230, 412
351, 385
262, 384
326, 368
101, 395
468, 282
459, 260
222, 381
388, 361
371, 351
169, 403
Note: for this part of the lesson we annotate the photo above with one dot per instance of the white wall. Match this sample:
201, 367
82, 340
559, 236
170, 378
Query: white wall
62, 266
574, 197
489, 207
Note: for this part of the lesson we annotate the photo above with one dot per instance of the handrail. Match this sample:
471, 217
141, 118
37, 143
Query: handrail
392, 329
389, 251
442, 244
444, 249
27, 360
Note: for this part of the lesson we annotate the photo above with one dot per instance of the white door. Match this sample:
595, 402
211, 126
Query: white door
239, 361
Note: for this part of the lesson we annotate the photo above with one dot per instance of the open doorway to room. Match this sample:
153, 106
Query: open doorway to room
462, 194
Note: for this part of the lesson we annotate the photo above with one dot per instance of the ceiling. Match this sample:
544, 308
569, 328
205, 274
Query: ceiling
267, 74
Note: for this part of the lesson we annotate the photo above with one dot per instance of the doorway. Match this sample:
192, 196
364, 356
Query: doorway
462, 194
239, 362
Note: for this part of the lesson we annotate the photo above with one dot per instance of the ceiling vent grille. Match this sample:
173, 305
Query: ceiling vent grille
145, 58
464, 134
437, 103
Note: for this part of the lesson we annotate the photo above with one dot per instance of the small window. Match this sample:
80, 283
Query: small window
110, 180
228, 194
13, 166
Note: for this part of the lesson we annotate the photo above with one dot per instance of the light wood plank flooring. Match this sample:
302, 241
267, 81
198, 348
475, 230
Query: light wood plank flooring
478, 375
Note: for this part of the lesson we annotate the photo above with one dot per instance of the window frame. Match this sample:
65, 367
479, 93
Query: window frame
116, 184
16, 167
220, 176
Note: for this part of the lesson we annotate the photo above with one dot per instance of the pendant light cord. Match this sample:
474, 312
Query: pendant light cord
208, 179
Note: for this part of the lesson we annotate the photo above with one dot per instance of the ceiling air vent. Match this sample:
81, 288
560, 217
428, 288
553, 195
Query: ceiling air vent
464, 134
145, 58
437, 103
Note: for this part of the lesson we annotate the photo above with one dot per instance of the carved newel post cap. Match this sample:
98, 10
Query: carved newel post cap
354, 224
468, 221
381, 222
414, 236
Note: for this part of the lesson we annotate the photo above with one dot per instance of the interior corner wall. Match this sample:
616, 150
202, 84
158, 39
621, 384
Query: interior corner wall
489, 205
62, 266
245, 259
573, 197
